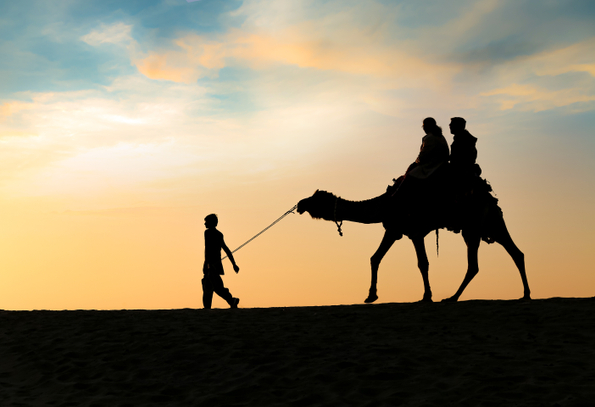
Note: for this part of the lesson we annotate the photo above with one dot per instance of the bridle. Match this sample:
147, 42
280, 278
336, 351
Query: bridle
339, 224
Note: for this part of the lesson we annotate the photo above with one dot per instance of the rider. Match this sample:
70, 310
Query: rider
424, 175
467, 187
463, 155
433, 152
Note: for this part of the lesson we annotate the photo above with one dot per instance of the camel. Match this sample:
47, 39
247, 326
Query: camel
482, 219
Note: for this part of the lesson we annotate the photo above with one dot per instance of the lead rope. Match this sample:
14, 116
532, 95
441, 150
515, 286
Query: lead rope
437, 252
264, 230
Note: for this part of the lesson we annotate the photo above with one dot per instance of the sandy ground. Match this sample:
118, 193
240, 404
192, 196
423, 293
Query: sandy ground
473, 353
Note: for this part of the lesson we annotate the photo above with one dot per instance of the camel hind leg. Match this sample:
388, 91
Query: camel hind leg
503, 237
472, 240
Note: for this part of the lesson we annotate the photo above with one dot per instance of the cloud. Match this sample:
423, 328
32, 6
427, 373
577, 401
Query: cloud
166, 67
56, 125
112, 34
152, 137
356, 40
475, 54
304, 45
9, 109
579, 57
550, 79
533, 98
195, 58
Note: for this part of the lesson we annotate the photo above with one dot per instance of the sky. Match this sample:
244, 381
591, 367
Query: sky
123, 124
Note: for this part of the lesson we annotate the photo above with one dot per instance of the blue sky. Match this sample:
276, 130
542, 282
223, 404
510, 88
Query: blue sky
43, 38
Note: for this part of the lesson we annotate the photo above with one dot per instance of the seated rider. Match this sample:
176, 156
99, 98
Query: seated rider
423, 176
463, 154
468, 189
433, 152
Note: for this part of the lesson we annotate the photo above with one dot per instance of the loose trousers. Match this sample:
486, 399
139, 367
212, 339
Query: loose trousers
212, 283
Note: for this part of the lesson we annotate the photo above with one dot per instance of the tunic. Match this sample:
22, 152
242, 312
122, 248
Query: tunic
213, 245
463, 151
432, 154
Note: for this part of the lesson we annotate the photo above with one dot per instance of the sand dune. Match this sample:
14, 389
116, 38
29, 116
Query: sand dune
473, 353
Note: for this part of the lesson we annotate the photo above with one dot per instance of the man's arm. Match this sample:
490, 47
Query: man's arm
229, 255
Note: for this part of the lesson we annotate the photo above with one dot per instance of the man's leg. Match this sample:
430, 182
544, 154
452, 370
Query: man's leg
207, 292
217, 284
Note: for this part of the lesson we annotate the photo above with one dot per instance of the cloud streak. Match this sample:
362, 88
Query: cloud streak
112, 34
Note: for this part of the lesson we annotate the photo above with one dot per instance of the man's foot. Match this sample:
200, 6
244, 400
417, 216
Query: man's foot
234, 302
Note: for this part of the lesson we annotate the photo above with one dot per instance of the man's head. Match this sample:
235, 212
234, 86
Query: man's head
457, 124
211, 221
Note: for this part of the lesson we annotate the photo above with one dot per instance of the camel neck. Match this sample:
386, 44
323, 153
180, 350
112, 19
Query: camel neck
368, 211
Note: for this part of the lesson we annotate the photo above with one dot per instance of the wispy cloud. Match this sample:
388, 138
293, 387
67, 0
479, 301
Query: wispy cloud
8, 109
537, 99
112, 34
579, 57
199, 57
554, 78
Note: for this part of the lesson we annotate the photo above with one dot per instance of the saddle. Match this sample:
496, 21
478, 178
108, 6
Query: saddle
444, 201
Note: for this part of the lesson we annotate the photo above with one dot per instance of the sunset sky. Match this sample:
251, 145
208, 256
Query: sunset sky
123, 124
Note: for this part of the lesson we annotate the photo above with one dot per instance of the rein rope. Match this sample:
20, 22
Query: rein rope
339, 224
264, 230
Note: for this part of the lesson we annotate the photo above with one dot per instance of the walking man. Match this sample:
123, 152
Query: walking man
213, 268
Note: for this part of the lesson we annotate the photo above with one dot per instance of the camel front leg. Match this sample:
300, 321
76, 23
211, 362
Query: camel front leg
472, 265
387, 241
424, 266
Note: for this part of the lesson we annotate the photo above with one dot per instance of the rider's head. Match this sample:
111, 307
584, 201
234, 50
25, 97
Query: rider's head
430, 127
211, 221
457, 124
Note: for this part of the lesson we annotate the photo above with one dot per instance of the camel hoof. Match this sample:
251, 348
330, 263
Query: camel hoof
526, 297
426, 299
371, 298
451, 299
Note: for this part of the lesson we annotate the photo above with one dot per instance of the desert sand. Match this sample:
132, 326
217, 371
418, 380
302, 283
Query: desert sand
471, 353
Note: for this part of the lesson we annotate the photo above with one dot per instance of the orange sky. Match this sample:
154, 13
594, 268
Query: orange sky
121, 131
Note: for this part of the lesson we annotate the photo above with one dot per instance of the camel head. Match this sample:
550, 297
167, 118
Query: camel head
320, 205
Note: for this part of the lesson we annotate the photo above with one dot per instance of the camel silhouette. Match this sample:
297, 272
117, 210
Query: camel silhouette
482, 218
